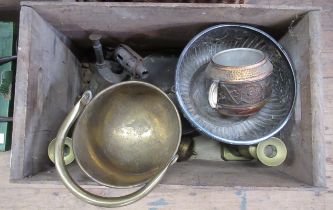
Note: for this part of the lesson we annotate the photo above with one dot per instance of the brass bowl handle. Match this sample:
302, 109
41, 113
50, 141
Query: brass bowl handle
81, 193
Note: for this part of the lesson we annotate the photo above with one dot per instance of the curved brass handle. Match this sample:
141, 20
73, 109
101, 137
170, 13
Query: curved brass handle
74, 188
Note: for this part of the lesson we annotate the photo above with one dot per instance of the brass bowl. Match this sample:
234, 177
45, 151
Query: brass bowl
127, 135
241, 81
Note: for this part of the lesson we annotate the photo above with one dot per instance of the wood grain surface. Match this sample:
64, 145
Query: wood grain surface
47, 196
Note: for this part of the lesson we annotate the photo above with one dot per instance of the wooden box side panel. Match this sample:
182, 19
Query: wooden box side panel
160, 25
317, 101
47, 84
306, 156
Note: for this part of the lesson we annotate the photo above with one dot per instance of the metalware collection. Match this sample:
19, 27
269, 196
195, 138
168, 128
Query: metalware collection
139, 113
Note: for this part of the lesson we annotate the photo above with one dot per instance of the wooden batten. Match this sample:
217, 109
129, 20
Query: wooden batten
47, 84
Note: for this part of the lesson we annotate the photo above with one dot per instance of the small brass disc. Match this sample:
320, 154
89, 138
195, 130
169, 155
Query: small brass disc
68, 151
272, 152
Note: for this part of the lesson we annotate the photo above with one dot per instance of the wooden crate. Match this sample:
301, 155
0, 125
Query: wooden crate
54, 35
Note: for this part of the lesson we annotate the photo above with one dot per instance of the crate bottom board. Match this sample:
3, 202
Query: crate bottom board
195, 173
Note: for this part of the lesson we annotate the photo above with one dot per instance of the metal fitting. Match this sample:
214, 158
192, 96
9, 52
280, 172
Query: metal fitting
131, 61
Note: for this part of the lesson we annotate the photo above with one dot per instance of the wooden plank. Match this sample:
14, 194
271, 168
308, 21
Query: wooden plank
326, 14
306, 161
195, 174
329, 199
328, 119
176, 197
47, 86
21, 88
202, 170
9, 4
257, 2
329, 155
328, 124
327, 64
327, 41
49, 196
327, 84
22, 196
316, 88
291, 2
328, 100
156, 23
327, 59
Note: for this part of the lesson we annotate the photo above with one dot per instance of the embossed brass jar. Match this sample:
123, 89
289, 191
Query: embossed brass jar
240, 81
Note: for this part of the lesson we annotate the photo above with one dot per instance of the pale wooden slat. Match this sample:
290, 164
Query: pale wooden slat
327, 90
309, 106
257, 2
291, 2
328, 122
327, 64
14, 196
329, 160
329, 199
280, 2
327, 5
328, 100
327, 17
327, 41
174, 198
164, 197
44, 62
328, 103
327, 13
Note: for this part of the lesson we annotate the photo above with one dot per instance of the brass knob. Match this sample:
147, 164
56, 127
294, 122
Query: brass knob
185, 149
271, 152
68, 151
